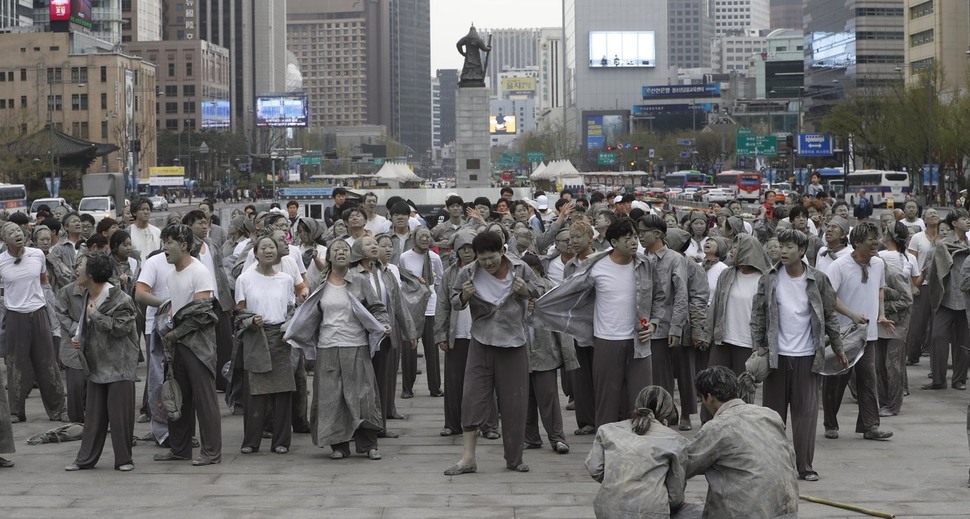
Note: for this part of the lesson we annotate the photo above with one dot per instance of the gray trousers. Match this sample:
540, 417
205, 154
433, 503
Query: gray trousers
729, 356
409, 361
793, 386
671, 364
544, 405
890, 369
198, 398
455, 359
31, 350
491, 371
77, 386
582, 387
383, 363
833, 389
618, 378
274, 409
920, 326
108, 405
949, 332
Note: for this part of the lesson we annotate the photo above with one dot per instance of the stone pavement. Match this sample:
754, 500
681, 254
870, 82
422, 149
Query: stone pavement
921, 472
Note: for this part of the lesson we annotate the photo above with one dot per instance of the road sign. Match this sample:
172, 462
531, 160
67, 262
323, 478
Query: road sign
311, 161
685, 154
536, 156
627, 145
685, 142
607, 159
814, 145
652, 153
378, 162
751, 145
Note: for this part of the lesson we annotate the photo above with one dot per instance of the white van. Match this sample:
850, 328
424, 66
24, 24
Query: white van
51, 203
99, 207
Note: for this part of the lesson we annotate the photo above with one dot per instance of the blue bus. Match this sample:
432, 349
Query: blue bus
686, 178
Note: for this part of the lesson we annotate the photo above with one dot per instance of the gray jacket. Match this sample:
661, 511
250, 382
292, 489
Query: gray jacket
69, 306
194, 326
671, 274
549, 350
109, 339
402, 323
764, 317
569, 307
750, 253
698, 291
222, 280
501, 324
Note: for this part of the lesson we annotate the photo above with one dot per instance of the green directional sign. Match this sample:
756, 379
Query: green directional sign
607, 159
378, 162
310, 161
536, 156
751, 145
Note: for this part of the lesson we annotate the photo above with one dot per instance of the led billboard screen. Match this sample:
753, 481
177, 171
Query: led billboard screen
622, 49
215, 114
281, 111
501, 124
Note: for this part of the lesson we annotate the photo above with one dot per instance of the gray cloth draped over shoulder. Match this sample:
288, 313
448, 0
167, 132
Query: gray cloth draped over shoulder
194, 327
109, 339
255, 346
415, 294
303, 329
156, 373
266, 357
940, 267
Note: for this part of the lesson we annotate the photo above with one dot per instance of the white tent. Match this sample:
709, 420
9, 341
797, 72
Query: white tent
556, 170
396, 173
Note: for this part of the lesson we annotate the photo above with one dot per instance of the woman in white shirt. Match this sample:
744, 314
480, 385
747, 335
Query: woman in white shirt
716, 250
891, 347
263, 300
697, 226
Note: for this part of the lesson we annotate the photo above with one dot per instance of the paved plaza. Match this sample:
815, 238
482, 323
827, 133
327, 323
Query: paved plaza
921, 472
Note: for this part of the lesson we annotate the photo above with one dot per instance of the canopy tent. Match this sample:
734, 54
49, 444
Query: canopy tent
395, 174
555, 170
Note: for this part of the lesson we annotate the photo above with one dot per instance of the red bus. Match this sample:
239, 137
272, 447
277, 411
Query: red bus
745, 184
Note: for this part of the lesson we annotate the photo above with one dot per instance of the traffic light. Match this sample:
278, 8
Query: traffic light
609, 148
790, 141
633, 165
636, 148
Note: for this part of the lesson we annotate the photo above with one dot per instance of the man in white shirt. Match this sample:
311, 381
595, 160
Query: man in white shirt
836, 243
426, 266
859, 280
194, 357
375, 222
145, 237
910, 211
30, 344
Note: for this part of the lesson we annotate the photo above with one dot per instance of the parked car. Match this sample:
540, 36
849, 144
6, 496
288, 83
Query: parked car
51, 203
158, 203
719, 195
99, 207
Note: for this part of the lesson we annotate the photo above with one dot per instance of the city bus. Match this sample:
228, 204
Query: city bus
13, 198
686, 178
746, 185
880, 186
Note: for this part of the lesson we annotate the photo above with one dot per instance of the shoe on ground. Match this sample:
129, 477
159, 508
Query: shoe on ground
458, 468
883, 412
521, 467
932, 386
388, 434
17, 419
143, 418
127, 467
874, 433
337, 455
395, 416
491, 435
571, 406
202, 462
531, 446
303, 428
809, 476
6, 464
560, 448
374, 454
445, 431
169, 456
832, 434
279, 449
961, 386
685, 424
247, 450
584, 430
73, 467
419, 372
237, 410
407, 394
437, 393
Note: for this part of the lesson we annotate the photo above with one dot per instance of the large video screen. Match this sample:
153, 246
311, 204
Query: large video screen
833, 50
501, 124
81, 12
215, 114
620, 49
281, 111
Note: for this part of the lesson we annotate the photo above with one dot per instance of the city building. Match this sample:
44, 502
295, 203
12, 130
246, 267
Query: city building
732, 52
141, 20
690, 31
410, 81
733, 17
937, 35
192, 77
786, 14
254, 31
447, 89
16, 13
105, 19
79, 85
520, 83
511, 49
435, 113
550, 68
778, 71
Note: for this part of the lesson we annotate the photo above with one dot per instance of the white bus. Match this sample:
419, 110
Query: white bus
13, 198
879, 185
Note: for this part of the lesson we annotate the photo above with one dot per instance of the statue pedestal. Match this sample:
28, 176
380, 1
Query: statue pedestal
473, 164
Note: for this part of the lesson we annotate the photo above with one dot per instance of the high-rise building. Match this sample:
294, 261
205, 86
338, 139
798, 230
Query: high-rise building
937, 35
410, 81
447, 80
105, 19
690, 31
16, 13
142, 20
511, 49
786, 14
344, 52
254, 31
734, 17
730, 53
550, 68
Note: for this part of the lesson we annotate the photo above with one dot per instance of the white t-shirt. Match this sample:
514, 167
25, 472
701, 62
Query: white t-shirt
268, 296
614, 312
463, 323
555, 270
286, 266
695, 250
822, 262
205, 256
376, 225
918, 223
292, 252
737, 314
846, 277
713, 274
794, 315
184, 285
23, 292
147, 240
924, 250
154, 273
909, 266
414, 263
490, 288
339, 328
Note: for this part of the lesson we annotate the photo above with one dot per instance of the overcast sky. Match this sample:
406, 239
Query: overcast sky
450, 20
